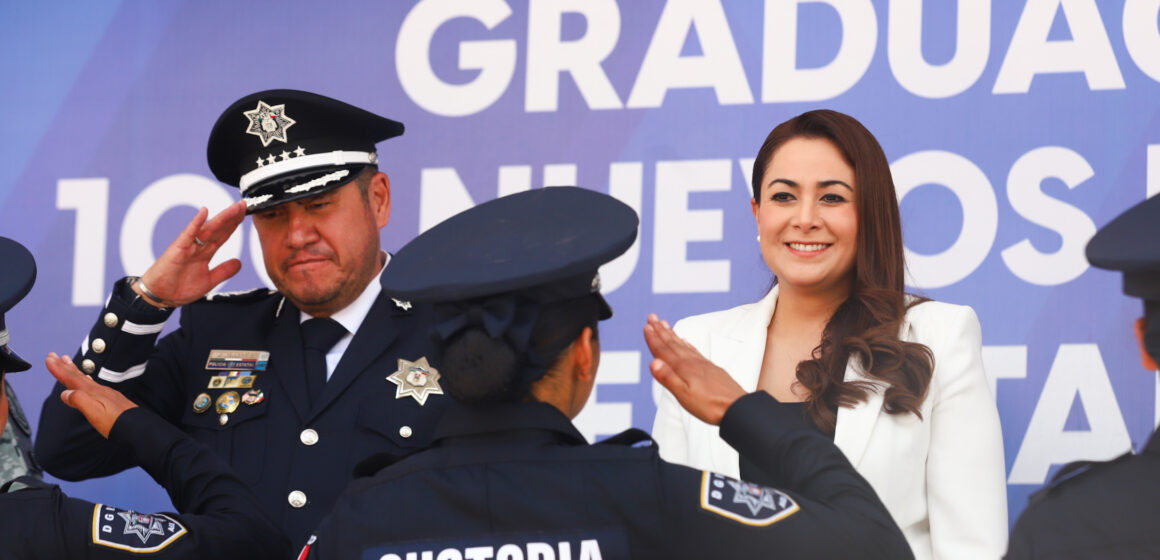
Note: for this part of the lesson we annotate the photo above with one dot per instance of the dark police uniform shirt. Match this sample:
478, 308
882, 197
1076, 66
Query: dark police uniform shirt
1095, 510
222, 518
295, 450
518, 481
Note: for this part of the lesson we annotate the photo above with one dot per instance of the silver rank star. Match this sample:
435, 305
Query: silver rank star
269, 123
416, 379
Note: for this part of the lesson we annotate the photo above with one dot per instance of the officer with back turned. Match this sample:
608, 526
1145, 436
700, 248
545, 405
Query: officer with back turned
291, 387
518, 300
220, 517
1108, 509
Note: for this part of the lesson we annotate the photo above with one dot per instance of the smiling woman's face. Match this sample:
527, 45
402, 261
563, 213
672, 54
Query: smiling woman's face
806, 217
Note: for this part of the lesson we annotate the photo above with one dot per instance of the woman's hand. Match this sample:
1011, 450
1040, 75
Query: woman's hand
101, 405
702, 388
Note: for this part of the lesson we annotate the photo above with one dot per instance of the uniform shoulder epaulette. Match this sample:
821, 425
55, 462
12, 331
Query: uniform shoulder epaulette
632, 437
244, 296
1073, 471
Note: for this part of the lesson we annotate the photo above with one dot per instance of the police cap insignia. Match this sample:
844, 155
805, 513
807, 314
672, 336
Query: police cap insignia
744, 502
132, 531
252, 146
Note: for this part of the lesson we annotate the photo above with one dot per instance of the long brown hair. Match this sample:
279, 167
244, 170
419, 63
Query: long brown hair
866, 326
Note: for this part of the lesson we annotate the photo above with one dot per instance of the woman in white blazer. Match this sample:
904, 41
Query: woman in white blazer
897, 380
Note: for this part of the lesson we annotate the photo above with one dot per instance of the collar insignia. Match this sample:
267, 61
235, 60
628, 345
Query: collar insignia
404, 305
269, 123
416, 379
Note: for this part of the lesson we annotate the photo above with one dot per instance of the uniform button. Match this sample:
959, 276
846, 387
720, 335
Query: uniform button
405, 431
297, 499
308, 436
98, 345
111, 320
89, 366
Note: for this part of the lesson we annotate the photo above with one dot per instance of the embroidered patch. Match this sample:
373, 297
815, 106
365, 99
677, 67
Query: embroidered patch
744, 502
135, 532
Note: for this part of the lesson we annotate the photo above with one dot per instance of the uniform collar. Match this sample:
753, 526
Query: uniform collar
1153, 446
351, 316
461, 420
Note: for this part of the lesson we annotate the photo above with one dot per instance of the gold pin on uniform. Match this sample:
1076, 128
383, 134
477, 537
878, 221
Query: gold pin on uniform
201, 403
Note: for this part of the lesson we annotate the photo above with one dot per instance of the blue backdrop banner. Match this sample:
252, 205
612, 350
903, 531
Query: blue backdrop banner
1014, 130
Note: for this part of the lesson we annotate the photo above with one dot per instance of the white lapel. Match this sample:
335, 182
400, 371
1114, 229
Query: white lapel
740, 349
856, 425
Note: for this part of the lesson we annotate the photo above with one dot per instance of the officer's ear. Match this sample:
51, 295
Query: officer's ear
1146, 359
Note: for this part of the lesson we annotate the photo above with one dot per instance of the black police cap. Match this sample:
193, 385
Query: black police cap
1131, 244
17, 279
283, 144
545, 245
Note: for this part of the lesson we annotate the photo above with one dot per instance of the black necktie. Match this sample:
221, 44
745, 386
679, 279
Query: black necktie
318, 336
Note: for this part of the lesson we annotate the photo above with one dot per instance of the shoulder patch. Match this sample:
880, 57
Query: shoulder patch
239, 297
130, 531
744, 502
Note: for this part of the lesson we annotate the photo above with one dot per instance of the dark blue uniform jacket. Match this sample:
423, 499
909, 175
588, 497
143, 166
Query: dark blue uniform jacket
1095, 510
518, 481
221, 516
296, 451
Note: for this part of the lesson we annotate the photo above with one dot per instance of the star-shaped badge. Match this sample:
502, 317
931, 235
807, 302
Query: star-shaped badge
269, 123
416, 379
142, 525
753, 496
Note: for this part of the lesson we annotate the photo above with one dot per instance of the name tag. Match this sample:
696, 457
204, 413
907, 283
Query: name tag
237, 360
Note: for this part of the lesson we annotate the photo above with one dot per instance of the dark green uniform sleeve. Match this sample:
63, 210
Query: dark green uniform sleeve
824, 509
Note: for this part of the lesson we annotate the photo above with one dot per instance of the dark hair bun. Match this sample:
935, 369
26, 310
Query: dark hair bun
477, 368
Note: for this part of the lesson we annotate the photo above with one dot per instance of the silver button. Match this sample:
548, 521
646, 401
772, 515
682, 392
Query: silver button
223, 419
89, 366
111, 320
297, 499
405, 431
308, 436
98, 345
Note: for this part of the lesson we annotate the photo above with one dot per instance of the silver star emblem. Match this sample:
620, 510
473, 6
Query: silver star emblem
299, 152
268, 123
753, 496
261, 162
141, 524
417, 380
284, 155
404, 305
270, 160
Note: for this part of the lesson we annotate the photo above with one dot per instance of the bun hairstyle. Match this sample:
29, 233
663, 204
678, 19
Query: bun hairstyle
478, 368
867, 324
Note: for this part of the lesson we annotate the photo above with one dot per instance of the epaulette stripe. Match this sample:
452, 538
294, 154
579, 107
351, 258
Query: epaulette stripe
133, 328
119, 376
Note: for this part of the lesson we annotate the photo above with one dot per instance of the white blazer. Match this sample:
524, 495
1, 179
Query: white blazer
942, 477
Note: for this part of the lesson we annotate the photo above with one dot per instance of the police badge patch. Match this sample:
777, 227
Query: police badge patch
744, 502
140, 533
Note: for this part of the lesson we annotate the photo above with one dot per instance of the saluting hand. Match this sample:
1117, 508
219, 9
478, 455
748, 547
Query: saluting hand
182, 274
101, 405
702, 388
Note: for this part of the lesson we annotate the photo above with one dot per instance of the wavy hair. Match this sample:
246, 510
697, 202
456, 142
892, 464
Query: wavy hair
865, 327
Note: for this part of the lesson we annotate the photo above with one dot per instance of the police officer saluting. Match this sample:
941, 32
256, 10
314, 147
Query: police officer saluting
1109, 509
221, 516
517, 300
291, 387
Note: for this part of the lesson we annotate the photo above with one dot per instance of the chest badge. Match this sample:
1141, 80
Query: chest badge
416, 379
201, 403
